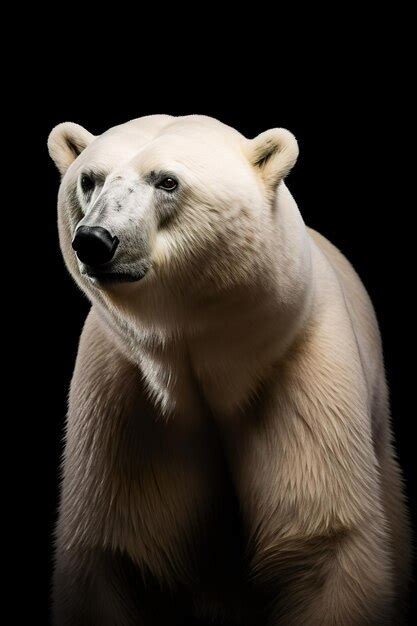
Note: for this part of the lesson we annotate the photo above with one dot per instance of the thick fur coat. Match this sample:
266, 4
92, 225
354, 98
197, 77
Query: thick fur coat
228, 448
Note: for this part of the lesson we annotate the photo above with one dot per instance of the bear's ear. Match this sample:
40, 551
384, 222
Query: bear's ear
273, 154
65, 142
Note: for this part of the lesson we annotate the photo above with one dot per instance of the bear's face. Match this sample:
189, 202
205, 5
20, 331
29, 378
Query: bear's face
184, 203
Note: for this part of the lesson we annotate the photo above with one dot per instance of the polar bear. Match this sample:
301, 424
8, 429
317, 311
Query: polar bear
228, 452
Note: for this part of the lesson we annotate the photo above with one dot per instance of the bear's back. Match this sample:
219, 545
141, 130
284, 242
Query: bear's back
360, 310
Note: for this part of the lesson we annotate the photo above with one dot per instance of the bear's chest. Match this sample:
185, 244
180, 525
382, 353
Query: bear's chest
218, 373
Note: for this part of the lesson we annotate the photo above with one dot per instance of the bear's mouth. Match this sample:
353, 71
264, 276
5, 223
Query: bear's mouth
115, 277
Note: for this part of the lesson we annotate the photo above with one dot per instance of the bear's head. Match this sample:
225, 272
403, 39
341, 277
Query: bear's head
182, 204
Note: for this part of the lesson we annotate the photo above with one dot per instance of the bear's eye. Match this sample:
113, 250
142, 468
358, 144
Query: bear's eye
167, 184
87, 183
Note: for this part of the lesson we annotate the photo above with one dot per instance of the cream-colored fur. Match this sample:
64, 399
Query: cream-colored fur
251, 339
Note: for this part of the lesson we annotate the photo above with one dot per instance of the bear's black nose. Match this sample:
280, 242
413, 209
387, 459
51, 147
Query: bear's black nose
94, 245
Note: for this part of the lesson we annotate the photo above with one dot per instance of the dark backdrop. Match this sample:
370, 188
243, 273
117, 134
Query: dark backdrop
352, 127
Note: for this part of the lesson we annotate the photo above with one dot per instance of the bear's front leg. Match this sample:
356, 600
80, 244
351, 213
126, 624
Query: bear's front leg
103, 587
94, 587
340, 580
310, 494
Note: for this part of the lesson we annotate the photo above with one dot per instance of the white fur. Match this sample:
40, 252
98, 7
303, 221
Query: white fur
247, 313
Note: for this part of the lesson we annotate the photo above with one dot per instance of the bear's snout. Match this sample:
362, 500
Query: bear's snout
94, 245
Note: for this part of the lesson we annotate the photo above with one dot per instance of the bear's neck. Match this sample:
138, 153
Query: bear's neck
225, 346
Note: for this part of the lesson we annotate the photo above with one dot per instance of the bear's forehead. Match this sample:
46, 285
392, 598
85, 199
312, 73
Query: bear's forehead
184, 123
194, 136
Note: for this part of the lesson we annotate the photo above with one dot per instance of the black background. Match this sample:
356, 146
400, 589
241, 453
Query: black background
351, 120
